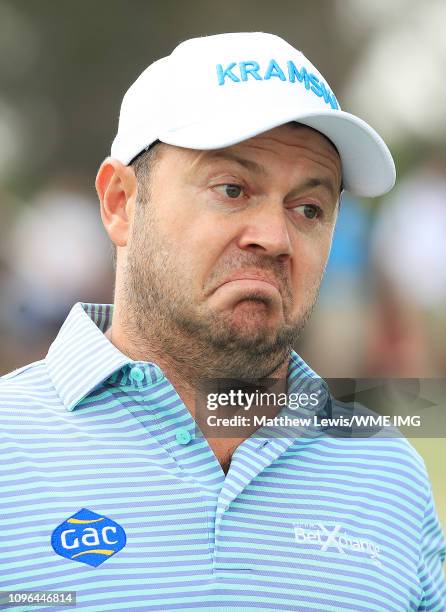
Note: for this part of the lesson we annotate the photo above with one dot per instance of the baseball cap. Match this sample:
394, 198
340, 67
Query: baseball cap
216, 91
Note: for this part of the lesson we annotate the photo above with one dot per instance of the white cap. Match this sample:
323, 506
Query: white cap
215, 91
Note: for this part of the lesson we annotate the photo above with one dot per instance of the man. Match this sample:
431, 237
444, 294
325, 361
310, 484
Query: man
220, 195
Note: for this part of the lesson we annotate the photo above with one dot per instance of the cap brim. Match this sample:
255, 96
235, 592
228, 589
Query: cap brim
367, 164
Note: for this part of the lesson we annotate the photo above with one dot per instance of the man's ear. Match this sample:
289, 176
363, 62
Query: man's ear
116, 188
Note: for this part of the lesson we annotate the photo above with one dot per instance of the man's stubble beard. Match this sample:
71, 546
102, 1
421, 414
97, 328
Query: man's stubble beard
160, 315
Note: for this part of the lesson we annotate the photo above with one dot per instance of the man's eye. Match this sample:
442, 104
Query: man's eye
310, 211
230, 190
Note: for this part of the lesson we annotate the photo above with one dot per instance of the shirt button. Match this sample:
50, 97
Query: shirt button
137, 374
183, 436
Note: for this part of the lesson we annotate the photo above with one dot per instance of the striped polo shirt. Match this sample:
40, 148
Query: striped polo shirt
106, 490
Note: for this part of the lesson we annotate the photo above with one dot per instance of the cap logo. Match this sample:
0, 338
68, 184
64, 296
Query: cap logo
88, 537
243, 71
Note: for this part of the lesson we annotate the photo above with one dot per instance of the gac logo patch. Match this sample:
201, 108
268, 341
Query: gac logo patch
88, 537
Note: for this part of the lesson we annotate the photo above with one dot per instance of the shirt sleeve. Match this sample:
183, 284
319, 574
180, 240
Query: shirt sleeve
432, 556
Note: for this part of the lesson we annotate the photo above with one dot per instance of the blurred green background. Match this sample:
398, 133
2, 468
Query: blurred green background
64, 67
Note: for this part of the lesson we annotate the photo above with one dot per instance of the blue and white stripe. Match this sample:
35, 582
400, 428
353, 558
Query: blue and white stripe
80, 431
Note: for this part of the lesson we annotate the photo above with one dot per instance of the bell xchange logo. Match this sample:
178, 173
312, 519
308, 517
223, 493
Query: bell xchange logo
88, 537
328, 535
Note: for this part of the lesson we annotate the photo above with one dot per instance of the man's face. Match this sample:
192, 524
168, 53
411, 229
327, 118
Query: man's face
228, 254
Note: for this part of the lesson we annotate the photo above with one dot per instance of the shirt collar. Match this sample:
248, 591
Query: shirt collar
81, 357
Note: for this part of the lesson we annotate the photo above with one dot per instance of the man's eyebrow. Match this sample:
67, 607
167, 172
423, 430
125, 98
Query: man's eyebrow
321, 182
246, 163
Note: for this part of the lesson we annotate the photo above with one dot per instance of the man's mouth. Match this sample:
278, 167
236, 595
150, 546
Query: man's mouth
255, 280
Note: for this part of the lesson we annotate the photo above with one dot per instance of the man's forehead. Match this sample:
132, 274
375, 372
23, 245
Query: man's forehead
295, 125
231, 154
310, 144
287, 135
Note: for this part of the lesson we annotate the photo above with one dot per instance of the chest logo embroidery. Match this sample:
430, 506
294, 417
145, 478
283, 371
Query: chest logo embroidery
330, 535
88, 537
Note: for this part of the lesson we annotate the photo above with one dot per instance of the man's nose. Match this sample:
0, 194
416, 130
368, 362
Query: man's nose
266, 231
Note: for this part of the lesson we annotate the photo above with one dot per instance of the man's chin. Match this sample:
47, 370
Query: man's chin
251, 315
253, 337
250, 353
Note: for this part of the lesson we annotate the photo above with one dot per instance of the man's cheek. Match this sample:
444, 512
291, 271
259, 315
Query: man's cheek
312, 262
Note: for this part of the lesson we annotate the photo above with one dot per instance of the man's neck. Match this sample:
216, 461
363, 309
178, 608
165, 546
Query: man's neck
185, 381
185, 378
